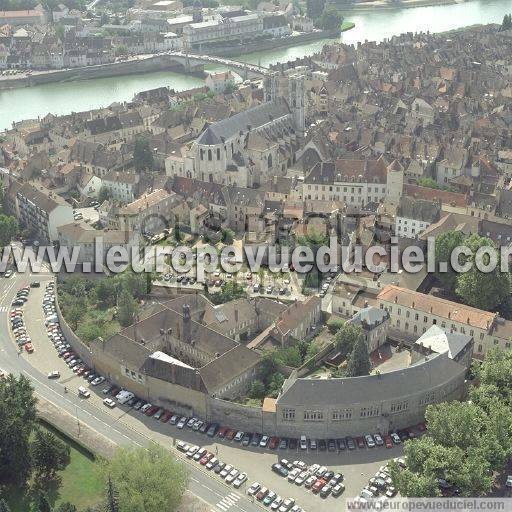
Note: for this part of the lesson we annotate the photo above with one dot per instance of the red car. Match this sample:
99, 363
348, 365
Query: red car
166, 416
317, 486
222, 432
388, 442
152, 410
80, 370
29, 348
230, 434
274, 443
360, 442
206, 458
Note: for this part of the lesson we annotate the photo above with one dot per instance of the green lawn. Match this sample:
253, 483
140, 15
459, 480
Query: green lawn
80, 482
347, 25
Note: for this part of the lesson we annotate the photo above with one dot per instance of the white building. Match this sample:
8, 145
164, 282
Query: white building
354, 182
220, 81
413, 216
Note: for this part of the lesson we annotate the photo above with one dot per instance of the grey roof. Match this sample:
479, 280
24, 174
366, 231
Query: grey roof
245, 121
414, 379
368, 317
440, 341
419, 209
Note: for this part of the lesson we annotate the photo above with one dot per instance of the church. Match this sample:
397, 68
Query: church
249, 148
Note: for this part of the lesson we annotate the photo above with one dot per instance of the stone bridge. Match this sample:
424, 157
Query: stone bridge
192, 61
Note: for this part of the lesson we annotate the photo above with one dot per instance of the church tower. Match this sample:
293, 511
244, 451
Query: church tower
296, 101
197, 13
271, 85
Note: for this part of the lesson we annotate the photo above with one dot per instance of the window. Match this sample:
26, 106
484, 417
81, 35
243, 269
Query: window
289, 414
343, 414
313, 416
399, 406
479, 348
369, 412
209, 155
416, 316
428, 398
425, 319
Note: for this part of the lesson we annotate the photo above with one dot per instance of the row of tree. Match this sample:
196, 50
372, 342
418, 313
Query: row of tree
483, 290
467, 442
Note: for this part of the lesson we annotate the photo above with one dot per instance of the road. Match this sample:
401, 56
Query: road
213, 491
125, 426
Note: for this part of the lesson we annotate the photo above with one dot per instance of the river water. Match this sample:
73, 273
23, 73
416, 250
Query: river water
63, 98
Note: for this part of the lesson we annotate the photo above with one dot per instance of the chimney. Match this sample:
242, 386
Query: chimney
187, 327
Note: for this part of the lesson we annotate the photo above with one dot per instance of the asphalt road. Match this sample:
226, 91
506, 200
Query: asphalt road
218, 495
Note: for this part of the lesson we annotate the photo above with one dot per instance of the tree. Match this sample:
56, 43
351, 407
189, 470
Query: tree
359, 361
66, 507
346, 337
483, 290
48, 454
507, 22
335, 324
444, 246
112, 501
18, 416
257, 389
330, 19
127, 307
41, 503
120, 50
105, 291
314, 8
228, 236
147, 480
142, 155
104, 195
74, 315
9, 229
230, 291
89, 331
3, 506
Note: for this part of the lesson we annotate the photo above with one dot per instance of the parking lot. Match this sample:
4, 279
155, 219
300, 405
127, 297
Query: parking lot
357, 466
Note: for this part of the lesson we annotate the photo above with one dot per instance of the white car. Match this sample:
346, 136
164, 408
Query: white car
293, 474
109, 402
253, 490
54, 375
192, 451
181, 423
145, 408
240, 479
276, 503
232, 476
303, 443
98, 380
369, 441
225, 472
287, 505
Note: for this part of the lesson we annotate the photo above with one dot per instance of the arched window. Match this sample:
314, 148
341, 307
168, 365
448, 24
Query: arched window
218, 153
269, 161
202, 154
209, 155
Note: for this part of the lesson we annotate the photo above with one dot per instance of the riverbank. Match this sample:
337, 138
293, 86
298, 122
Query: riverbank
136, 65
404, 4
272, 44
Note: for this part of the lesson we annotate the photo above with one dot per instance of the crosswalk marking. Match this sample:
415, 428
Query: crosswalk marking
4, 309
227, 502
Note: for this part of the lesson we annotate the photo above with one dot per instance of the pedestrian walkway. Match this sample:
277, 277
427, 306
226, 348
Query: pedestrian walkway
226, 503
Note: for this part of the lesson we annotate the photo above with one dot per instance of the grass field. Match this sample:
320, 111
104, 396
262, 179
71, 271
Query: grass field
80, 482
347, 25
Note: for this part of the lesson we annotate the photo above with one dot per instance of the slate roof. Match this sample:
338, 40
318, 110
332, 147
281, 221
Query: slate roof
440, 341
252, 118
372, 388
369, 316
419, 209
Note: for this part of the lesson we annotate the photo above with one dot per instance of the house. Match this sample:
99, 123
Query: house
413, 216
42, 211
221, 81
374, 323
412, 313
123, 186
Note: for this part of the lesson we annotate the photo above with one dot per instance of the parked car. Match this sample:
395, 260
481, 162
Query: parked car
269, 498
254, 489
54, 375
378, 439
109, 402
325, 491
261, 493
337, 490
370, 442
240, 479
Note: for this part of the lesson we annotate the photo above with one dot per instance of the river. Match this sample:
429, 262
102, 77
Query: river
63, 98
